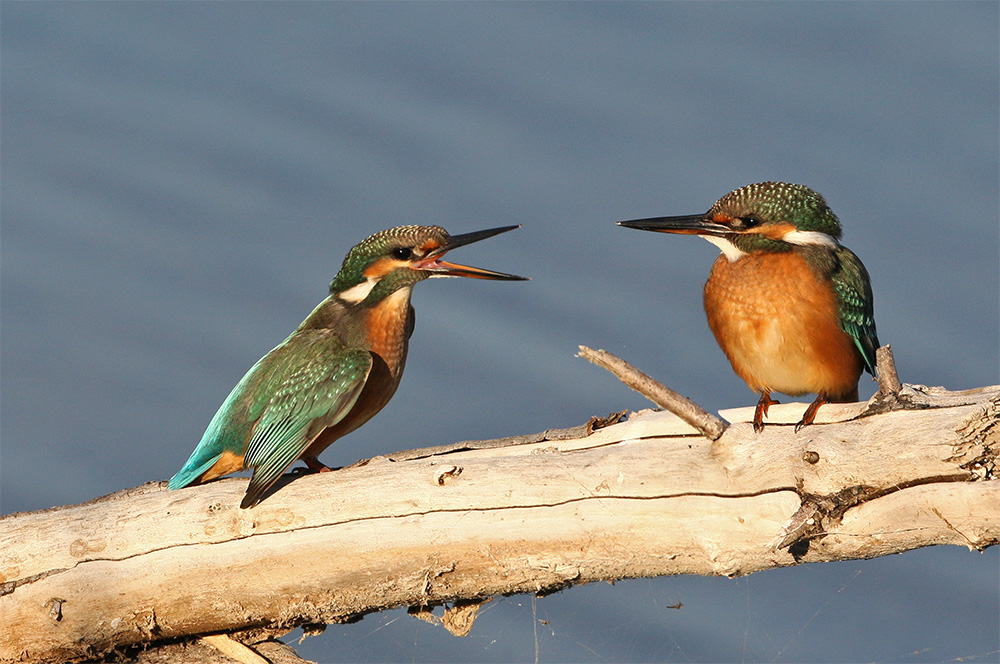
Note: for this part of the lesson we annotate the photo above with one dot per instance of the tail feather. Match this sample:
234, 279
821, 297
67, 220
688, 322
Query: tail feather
191, 472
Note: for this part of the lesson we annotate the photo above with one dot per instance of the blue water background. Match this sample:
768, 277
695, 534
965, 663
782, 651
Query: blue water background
180, 181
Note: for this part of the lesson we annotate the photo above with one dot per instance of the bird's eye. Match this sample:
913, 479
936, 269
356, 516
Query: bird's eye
750, 221
402, 253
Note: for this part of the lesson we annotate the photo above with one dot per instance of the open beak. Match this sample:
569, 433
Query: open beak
439, 268
695, 224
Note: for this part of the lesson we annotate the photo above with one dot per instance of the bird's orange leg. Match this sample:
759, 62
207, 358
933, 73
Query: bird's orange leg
316, 465
760, 412
810, 414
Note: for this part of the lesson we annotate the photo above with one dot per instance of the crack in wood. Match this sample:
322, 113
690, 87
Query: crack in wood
10, 586
333, 524
814, 518
819, 513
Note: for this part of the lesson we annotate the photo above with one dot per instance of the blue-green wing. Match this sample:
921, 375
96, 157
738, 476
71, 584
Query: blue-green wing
317, 389
854, 298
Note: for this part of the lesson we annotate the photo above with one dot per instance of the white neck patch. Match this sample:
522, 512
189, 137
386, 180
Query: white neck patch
358, 293
730, 250
814, 238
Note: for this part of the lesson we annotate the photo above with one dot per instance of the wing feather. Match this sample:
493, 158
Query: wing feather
856, 309
317, 391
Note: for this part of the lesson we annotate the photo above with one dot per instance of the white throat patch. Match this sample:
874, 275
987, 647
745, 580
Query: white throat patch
731, 251
358, 293
815, 238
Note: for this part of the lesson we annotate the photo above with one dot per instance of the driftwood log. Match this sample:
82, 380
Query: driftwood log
457, 525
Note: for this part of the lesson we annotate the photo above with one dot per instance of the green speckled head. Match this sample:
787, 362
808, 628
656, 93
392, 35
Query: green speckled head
780, 202
400, 257
765, 216
391, 245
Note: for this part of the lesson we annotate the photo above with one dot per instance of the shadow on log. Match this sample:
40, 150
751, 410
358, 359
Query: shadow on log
459, 524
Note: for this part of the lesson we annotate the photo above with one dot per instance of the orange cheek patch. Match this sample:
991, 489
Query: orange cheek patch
382, 267
721, 218
773, 231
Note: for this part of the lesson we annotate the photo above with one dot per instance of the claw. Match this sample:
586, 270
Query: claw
316, 465
810, 414
760, 412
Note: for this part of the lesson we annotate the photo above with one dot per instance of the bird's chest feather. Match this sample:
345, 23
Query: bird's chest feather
777, 321
388, 327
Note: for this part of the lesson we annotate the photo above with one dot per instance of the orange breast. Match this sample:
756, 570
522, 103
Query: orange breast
389, 325
777, 323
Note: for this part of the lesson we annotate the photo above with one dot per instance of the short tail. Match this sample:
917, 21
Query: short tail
192, 471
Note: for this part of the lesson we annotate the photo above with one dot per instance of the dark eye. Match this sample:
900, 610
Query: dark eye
750, 221
402, 253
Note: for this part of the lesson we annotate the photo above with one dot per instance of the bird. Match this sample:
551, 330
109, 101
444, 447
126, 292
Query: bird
339, 367
789, 305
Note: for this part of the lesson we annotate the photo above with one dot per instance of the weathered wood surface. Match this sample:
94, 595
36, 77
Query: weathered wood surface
645, 497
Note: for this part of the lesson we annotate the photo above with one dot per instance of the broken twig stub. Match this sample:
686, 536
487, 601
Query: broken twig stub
709, 425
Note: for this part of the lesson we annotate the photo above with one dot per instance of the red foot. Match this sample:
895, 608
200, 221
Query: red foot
810, 414
316, 465
760, 412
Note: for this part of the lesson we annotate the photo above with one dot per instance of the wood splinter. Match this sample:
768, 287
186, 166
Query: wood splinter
888, 379
709, 425
232, 648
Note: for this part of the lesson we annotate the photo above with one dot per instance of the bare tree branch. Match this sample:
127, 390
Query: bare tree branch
646, 497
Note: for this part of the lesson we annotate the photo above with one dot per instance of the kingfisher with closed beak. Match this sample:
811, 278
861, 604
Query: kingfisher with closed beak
789, 305
337, 369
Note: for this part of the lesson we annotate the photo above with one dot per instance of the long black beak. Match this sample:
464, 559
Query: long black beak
694, 224
440, 268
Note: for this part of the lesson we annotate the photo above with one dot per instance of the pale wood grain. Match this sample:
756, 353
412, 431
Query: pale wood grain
646, 497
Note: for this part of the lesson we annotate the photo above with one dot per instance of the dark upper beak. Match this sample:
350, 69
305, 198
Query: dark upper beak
437, 267
695, 224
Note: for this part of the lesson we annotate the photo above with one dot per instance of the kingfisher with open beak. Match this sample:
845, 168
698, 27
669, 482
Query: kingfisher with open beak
789, 305
337, 369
